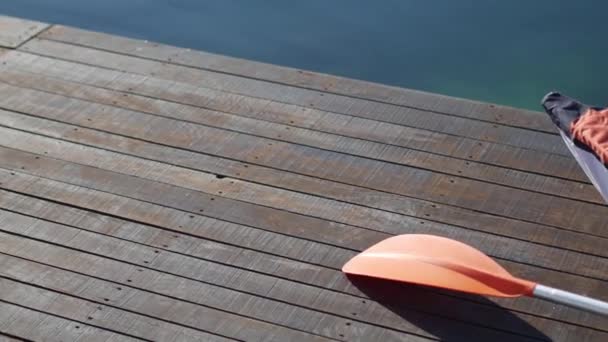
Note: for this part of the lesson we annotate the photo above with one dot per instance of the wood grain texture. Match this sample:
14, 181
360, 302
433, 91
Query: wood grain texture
397, 179
297, 202
346, 236
4, 337
9, 338
303, 79
107, 81
259, 261
337, 143
156, 193
176, 176
334, 103
178, 317
591, 287
15, 31
61, 235
90, 312
33, 325
177, 277
363, 200
250, 259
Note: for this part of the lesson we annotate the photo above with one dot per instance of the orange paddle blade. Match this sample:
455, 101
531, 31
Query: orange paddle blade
439, 262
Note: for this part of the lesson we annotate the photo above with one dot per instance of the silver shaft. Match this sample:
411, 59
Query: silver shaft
571, 299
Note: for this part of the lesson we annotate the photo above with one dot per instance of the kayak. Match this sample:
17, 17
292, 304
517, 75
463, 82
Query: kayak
584, 129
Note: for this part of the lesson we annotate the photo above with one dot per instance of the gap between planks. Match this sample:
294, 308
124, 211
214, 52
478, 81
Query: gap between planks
427, 120
161, 278
346, 236
303, 79
459, 168
292, 115
36, 325
209, 183
139, 282
123, 205
441, 199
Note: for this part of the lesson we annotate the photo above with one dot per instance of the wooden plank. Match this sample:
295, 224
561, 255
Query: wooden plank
19, 321
470, 151
15, 31
8, 338
347, 145
303, 79
245, 241
364, 199
209, 184
55, 280
264, 263
231, 320
193, 201
76, 308
99, 289
180, 221
265, 218
174, 316
334, 103
491, 314
392, 178
248, 192
201, 292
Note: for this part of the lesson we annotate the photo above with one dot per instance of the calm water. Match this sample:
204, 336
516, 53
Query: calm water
504, 51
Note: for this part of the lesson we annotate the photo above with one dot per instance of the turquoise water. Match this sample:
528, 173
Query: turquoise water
504, 51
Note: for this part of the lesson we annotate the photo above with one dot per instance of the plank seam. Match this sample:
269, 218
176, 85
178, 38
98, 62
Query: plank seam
310, 88
161, 227
582, 180
321, 311
297, 213
262, 205
174, 208
297, 191
19, 338
73, 320
349, 318
48, 27
564, 154
324, 179
286, 189
441, 293
341, 247
109, 305
281, 210
312, 129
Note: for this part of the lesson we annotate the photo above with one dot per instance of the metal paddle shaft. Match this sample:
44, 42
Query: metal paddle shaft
570, 299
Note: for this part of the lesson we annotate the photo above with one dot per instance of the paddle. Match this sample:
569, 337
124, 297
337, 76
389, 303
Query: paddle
449, 264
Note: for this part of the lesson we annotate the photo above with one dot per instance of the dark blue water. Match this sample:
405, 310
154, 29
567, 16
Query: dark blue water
504, 51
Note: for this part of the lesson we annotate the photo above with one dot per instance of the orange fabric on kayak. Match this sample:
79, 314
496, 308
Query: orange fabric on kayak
591, 129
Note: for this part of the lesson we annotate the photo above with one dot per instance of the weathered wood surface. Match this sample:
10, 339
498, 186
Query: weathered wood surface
154, 193
323, 141
432, 121
15, 31
294, 116
304, 79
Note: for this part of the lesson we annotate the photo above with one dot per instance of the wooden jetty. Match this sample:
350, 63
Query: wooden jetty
149, 192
